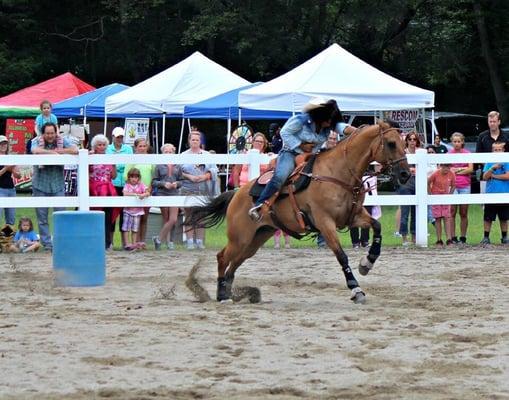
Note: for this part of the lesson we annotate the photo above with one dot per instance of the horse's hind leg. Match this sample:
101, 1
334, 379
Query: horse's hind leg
332, 240
232, 257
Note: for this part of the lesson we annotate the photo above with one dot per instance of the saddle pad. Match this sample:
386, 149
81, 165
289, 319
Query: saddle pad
300, 184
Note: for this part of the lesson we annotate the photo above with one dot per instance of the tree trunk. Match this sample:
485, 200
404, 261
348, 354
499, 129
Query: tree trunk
496, 80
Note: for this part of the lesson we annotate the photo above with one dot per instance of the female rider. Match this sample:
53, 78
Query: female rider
303, 133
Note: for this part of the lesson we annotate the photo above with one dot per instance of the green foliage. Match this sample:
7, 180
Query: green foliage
430, 43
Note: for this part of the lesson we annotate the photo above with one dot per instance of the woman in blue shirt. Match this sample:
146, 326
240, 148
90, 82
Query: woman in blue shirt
303, 133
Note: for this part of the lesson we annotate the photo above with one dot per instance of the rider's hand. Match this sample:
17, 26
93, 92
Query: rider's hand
307, 147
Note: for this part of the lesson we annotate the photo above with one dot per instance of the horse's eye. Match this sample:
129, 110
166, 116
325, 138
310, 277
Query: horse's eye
391, 145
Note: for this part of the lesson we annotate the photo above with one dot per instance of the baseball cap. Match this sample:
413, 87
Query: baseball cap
3, 138
118, 131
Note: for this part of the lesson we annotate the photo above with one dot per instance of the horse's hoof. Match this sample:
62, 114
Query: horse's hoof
365, 265
358, 296
226, 301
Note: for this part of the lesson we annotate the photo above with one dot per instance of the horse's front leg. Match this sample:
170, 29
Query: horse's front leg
366, 263
331, 237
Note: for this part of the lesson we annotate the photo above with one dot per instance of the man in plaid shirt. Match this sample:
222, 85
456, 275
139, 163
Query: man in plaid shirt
48, 180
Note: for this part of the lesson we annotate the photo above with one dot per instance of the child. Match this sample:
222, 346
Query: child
132, 215
26, 239
45, 116
497, 177
277, 239
442, 181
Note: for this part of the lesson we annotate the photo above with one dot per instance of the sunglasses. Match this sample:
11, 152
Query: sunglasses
259, 141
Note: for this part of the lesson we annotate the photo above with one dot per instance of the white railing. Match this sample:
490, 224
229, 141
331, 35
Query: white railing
83, 201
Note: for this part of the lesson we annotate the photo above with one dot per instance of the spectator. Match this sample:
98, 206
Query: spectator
196, 178
497, 177
100, 184
132, 215
25, 240
166, 183
45, 117
146, 173
7, 189
48, 180
442, 181
412, 143
276, 143
486, 139
493, 134
119, 147
438, 146
462, 172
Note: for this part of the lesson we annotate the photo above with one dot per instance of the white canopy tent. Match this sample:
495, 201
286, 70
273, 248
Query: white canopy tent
336, 74
194, 79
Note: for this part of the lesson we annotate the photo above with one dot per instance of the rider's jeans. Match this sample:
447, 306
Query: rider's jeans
284, 167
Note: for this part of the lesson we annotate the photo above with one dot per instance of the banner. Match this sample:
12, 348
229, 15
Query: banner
19, 132
136, 128
405, 118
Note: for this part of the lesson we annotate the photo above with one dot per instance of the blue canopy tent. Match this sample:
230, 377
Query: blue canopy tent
226, 106
88, 105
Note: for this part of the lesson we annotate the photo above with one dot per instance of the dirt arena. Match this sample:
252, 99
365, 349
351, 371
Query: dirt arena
435, 326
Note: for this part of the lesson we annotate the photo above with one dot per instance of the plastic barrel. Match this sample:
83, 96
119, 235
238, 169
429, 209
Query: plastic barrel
79, 255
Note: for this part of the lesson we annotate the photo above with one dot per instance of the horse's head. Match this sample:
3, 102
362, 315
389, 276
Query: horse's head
391, 153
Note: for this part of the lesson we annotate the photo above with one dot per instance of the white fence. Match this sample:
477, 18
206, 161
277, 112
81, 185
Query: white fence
421, 199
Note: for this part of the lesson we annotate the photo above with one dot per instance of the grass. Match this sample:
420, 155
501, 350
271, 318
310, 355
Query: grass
216, 237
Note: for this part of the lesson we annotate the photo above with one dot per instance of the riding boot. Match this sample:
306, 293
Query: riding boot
271, 188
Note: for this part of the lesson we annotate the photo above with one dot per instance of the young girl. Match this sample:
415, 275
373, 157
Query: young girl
45, 116
462, 172
132, 215
25, 239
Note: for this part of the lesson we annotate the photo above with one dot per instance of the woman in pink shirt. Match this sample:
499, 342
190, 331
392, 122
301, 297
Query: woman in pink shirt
462, 172
100, 184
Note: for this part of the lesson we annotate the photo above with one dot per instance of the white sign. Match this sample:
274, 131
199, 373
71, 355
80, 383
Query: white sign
405, 118
136, 128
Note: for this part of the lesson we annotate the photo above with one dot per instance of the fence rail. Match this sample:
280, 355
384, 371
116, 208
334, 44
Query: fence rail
83, 201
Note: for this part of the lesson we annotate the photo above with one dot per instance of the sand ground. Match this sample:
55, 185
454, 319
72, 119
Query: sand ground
435, 326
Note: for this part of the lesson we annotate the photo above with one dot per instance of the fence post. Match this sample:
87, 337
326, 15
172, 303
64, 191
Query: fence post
83, 186
254, 164
421, 194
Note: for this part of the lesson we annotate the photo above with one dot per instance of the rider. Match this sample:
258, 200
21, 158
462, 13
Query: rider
303, 133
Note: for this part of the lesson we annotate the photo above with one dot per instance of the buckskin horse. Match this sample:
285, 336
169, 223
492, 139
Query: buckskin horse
333, 200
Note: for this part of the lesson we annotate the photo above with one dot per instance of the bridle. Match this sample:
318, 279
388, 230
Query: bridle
359, 188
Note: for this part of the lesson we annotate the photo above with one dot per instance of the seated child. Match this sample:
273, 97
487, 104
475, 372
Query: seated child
25, 240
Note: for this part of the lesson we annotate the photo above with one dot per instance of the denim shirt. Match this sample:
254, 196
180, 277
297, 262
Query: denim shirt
300, 129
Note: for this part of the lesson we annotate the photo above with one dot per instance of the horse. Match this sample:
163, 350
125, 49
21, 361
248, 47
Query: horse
333, 200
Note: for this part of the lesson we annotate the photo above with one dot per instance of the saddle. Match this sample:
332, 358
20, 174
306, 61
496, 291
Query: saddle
298, 180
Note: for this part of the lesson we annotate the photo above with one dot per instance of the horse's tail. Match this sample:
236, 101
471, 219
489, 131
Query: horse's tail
212, 212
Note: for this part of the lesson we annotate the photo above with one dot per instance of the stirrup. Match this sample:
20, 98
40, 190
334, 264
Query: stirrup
254, 213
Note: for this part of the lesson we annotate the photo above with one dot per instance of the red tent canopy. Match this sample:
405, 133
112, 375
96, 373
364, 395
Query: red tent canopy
56, 89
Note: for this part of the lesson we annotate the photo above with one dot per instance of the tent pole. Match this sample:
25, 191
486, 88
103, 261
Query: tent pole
163, 139
105, 123
228, 130
181, 133
156, 129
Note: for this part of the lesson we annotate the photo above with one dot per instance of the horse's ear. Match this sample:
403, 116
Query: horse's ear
392, 124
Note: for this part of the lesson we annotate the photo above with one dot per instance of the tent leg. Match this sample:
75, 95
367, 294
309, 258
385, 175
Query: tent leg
181, 134
105, 123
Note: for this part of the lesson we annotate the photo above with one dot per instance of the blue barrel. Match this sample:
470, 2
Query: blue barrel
79, 255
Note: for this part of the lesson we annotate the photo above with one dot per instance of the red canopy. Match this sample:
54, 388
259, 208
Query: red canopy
56, 89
